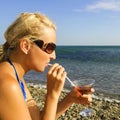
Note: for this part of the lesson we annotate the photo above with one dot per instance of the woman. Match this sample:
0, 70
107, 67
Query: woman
30, 44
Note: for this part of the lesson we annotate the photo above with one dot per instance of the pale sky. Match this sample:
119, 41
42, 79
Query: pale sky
79, 22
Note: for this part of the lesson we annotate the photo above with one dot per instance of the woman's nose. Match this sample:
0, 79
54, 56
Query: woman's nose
53, 55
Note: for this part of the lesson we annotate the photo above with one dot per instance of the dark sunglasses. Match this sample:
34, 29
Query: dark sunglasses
48, 47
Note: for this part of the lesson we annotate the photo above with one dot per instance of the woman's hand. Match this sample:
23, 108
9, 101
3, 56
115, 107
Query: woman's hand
55, 79
81, 98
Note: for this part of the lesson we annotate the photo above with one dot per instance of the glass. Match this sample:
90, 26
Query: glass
47, 47
84, 86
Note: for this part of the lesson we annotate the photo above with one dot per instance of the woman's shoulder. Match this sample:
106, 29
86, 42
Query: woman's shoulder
7, 81
9, 88
10, 95
7, 77
2, 64
4, 67
5, 70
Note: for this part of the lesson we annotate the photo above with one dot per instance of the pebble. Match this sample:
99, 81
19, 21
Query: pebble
102, 109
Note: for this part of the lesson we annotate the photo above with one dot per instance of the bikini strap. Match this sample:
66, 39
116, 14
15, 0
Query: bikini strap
14, 70
20, 82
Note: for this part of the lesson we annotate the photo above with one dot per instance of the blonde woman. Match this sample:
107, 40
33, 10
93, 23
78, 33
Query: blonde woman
30, 45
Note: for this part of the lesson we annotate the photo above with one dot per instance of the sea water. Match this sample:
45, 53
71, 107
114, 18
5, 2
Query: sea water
101, 63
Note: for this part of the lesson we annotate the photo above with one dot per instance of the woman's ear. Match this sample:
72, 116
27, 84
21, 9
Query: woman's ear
25, 45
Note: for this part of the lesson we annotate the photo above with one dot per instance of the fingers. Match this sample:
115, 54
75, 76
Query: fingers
56, 78
53, 68
80, 98
57, 71
88, 98
92, 90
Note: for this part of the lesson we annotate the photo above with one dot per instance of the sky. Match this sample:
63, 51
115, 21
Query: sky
79, 22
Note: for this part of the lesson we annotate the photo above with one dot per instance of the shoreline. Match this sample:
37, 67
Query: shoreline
97, 94
103, 108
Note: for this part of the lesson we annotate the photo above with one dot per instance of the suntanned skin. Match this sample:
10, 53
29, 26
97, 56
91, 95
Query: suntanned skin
12, 104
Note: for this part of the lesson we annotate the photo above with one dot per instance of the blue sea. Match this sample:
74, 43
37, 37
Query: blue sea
101, 63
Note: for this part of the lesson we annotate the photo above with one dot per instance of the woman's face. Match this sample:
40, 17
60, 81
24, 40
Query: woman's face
39, 59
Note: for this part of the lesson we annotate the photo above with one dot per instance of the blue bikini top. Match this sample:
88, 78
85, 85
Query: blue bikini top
19, 81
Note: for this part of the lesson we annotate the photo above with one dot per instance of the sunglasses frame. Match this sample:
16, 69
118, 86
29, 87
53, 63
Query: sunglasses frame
47, 47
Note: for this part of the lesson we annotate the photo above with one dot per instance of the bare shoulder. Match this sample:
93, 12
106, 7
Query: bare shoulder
7, 77
5, 71
8, 83
9, 86
11, 98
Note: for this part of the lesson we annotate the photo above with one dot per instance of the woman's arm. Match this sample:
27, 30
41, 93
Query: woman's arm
73, 97
55, 82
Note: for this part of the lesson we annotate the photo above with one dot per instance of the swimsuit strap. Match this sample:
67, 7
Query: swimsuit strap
20, 81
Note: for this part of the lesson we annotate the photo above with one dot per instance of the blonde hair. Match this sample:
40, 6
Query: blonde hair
26, 25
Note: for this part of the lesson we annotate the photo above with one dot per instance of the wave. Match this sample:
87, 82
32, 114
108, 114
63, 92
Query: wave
97, 97
88, 53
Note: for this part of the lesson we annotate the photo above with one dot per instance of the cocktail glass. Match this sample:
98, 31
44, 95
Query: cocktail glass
84, 86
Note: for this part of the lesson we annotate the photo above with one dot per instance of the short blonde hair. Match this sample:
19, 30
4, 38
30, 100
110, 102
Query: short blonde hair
26, 25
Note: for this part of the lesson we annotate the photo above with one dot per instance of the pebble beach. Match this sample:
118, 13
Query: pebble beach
102, 108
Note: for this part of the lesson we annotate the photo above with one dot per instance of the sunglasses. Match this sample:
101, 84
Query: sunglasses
48, 47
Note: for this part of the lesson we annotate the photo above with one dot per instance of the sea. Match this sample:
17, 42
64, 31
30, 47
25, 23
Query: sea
101, 63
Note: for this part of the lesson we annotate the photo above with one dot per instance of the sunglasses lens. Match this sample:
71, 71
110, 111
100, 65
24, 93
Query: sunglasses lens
50, 48
39, 43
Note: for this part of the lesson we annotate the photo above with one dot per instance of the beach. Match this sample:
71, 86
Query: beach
103, 108
101, 63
